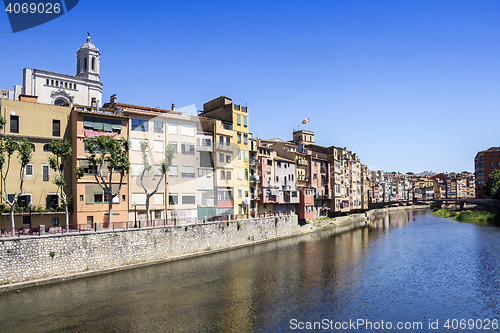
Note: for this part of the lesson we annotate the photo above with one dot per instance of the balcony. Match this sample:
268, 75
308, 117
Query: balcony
302, 162
322, 169
224, 147
254, 179
228, 127
253, 162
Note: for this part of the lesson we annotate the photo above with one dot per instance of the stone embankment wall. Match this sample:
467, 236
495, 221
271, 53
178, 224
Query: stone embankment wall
52, 258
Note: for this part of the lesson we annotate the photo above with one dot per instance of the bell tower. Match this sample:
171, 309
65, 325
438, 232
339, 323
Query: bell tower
88, 61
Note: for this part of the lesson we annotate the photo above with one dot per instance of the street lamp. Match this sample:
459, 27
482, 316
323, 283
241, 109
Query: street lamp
135, 213
29, 206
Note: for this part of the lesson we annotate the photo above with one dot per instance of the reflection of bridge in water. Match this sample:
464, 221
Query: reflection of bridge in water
438, 203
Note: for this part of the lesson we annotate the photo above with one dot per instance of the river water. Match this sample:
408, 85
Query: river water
407, 268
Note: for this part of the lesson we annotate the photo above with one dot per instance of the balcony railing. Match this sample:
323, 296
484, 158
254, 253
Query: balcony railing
253, 162
227, 127
255, 179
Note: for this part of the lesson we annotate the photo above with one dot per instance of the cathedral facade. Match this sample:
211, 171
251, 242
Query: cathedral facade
85, 88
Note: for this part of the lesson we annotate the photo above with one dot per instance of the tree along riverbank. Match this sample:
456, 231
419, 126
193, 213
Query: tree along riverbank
474, 216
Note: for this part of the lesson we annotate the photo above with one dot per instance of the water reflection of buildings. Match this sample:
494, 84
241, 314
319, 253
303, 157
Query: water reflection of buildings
391, 220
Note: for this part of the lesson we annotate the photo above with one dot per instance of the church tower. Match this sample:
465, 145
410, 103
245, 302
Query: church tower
87, 61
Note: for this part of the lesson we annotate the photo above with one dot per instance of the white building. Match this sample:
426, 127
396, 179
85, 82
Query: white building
85, 88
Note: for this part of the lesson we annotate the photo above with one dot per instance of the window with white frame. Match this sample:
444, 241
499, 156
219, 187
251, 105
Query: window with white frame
158, 146
136, 170
188, 199
157, 169
29, 171
187, 130
172, 128
138, 198
239, 154
158, 198
158, 127
187, 172
45, 172
240, 173
173, 144
173, 171
135, 144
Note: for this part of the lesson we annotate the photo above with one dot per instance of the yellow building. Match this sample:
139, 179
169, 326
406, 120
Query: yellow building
40, 124
234, 118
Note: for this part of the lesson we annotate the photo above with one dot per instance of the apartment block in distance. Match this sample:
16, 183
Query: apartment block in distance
485, 162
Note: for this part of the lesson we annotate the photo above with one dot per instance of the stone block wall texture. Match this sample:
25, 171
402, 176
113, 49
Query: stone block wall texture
38, 257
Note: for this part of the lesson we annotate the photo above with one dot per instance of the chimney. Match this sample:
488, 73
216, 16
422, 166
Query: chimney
173, 106
112, 99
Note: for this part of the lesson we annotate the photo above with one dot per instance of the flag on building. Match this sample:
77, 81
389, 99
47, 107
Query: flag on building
305, 121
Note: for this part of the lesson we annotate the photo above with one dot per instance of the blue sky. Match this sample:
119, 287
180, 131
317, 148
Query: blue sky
407, 85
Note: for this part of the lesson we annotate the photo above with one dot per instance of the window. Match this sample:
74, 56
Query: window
238, 119
188, 199
158, 146
102, 125
498, 163
172, 128
81, 197
93, 63
206, 142
239, 137
221, 140
47, 82
157, 170
245, 121
221, 157
480, 182
158, 198
314, 176
56, 127
228, 141
138, 198
135, 144
246, 191
187, 148
28, 171
246, 155
173, 199
228, 158
55, 221
187, 130
187, 172
240, 192
45, 172
480, 173
173, 171
158, 127
136, 170
492, 164
239, 154
481, 158
277, 179
139, 125
480, 165
246, 174
228, 175
173, 144
240, 173
14, 124
222, 175
245, 138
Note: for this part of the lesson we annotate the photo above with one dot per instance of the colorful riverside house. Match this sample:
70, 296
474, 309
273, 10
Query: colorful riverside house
90, 204
268, 191
158, 128
254, 178
223, 159
39, 124
234, 117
